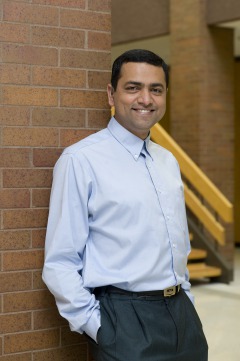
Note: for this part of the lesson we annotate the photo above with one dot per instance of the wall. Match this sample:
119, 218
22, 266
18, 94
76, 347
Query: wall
218, 11
55, 62
139, 19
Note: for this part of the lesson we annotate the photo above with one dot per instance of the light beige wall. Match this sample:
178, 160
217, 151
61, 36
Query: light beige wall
139, 19
159, 45
218, 11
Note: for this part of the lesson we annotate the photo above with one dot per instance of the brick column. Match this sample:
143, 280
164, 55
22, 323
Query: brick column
55, 62
202, 91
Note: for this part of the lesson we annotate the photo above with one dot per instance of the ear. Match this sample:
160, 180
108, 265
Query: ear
110, 92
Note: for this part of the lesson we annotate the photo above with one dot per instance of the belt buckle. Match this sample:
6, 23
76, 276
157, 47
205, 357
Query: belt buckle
170, 291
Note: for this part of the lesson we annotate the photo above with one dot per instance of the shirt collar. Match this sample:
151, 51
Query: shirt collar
129, 141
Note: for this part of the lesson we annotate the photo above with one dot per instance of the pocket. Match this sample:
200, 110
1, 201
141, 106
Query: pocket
98, 334
106, 334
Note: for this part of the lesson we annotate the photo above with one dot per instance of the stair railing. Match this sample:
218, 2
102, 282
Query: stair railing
202, 197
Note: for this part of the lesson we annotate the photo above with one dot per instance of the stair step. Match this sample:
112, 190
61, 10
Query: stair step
197, 254
201, 270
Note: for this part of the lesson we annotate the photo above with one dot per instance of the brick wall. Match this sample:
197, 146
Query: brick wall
55, 62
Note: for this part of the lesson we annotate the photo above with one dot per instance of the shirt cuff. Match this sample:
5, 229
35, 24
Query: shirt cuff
92, 326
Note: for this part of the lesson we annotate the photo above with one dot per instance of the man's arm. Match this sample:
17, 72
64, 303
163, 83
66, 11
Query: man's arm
66, 237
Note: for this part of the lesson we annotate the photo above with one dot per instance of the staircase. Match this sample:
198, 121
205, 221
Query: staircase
208, 211
198, 268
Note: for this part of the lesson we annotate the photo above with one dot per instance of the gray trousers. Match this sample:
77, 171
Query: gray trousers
152, 328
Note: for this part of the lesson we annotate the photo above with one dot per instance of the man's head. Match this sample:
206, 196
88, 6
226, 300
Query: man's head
138, 90
137, 56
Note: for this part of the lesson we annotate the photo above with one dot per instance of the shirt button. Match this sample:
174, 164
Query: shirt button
135, 156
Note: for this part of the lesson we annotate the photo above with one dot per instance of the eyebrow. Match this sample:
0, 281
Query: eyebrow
139, 83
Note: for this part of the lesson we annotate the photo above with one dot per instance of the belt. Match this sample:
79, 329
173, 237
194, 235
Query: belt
167, 292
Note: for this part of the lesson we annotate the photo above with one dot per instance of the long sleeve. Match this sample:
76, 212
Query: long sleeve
67, 234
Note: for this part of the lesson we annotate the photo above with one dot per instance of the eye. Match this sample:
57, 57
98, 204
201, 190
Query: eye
132, 88
157, 91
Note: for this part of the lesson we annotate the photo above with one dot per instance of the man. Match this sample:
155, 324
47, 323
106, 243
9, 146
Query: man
117, 239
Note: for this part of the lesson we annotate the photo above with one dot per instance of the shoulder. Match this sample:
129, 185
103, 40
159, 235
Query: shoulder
89, 142
76, 155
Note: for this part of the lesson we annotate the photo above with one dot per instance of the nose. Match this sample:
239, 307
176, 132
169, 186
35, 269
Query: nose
145, 97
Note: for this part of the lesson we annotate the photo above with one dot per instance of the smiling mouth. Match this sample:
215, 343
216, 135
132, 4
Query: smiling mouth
144, 111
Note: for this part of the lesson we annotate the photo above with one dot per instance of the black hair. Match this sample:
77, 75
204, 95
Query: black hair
137, 56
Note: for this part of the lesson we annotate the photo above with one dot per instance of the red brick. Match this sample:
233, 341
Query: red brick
22, 260
71, 353
15, 33
14, 74
79, 4
71, 136
27, 356
26, 301
85, 59
70, 38
40, 197
59, 77
20, 342
25, 218
99, 5
85, 20
14, 115
46, 157
28, 54
15, 158
30, 137
98, 118
84, 99
38, 283
14, 240
98, 79
22, 95
14, 198
28, 13
100, 41
47, 319
59, 117
15, 281
27, 178
70, 338
15, 322
38, 238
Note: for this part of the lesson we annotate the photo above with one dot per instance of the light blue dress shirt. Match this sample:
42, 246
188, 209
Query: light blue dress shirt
117, 217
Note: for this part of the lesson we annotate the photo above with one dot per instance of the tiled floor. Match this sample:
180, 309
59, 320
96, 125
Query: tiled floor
218, 306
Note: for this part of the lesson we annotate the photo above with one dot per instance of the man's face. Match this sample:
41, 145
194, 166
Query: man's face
140, 97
